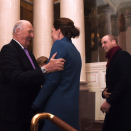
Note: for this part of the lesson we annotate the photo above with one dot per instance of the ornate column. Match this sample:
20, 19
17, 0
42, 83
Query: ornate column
104, 26
105, 20
74, 9
42, 23
122, 31
127, 16
9, 14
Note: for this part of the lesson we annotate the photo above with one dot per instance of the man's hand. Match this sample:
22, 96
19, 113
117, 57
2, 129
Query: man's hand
55, 64
105, 107
105, 93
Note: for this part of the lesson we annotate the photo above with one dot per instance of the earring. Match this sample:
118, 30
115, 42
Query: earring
58, 35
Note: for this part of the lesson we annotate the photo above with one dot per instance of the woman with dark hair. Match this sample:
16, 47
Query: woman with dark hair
60, 92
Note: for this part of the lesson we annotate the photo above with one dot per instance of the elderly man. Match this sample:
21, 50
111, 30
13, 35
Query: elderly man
20, 79
118, 87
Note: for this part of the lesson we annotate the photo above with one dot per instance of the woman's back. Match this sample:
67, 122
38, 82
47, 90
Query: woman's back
64, 101
60, 92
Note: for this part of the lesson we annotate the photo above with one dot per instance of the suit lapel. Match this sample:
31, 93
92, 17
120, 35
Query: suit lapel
21, 52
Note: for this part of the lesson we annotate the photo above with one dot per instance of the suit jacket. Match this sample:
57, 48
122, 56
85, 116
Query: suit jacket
60, 92
118, 82
19, 83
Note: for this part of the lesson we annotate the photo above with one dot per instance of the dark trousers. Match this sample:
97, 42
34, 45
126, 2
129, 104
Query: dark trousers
14, 126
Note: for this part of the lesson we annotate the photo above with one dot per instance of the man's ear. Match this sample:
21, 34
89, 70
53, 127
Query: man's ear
114, 42
17, 31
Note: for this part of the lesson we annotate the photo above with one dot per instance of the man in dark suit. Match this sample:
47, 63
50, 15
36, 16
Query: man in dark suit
118, 87
20, 79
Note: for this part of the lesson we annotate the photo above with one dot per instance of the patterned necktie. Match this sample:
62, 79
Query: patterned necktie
27, 53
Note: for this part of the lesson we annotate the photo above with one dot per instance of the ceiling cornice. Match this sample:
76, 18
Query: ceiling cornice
113, 4
28, 2
31, 3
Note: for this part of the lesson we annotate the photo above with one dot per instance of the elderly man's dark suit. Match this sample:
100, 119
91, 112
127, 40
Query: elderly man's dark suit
118, 82
19, 83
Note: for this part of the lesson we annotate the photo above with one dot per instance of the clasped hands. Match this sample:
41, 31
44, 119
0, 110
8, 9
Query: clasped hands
105, 106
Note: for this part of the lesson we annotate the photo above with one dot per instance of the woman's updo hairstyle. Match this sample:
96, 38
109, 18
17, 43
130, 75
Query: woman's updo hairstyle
67, 27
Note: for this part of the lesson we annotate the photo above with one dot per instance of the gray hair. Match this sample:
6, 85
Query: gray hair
19, 25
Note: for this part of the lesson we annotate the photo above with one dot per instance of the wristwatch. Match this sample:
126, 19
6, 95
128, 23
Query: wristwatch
43, 70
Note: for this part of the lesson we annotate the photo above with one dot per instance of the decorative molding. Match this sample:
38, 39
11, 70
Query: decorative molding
103, 79
26, 5
56, 1
95, 76
117, 4
95, 66
113, 3
28, 2
31, 3
124, 5
92, 78
100, 3
83, 86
